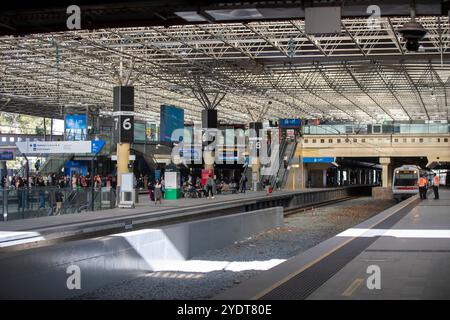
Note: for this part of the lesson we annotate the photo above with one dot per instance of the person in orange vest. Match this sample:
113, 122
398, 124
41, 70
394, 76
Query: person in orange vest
423, 187
436, 186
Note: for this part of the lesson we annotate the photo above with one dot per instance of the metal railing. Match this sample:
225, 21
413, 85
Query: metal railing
24, 203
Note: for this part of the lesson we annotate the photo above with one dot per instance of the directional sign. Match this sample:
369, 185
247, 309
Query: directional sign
290, 123
97, 146
318, 160
51, 147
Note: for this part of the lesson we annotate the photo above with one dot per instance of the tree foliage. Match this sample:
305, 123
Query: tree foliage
22, 124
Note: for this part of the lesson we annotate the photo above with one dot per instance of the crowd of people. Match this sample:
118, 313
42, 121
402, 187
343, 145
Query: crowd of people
76, 181
191, 187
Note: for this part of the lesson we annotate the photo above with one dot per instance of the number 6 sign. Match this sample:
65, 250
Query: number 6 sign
124, 114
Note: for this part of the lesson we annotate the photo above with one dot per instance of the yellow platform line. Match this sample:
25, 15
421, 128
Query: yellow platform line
296, 272
355, 285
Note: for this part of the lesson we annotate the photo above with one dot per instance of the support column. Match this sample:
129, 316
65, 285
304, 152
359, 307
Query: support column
209, 121
384, 192
303, 174
123, 155
385, 161
123, 101
254, 140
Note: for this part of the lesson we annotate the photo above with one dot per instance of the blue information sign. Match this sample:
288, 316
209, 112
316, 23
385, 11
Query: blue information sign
6, 155
97, 145
318, 160
290, 123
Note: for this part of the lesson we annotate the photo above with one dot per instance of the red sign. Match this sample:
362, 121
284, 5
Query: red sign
205, 175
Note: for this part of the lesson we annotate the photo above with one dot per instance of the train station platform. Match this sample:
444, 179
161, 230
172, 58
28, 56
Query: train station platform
401, 253
25, 233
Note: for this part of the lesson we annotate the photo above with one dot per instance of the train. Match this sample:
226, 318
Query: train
406, 181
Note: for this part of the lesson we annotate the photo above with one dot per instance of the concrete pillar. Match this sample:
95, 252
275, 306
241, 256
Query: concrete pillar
303, 175
256, 179
254, 137
123, 155
385, 161
123, 103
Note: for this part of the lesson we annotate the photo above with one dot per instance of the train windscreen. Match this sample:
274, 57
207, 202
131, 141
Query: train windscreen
405, 178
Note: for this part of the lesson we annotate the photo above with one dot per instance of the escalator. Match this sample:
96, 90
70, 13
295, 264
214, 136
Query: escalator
54, 163
289, 153
286, 153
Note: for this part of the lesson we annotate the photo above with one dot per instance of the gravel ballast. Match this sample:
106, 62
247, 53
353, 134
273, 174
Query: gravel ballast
302, 231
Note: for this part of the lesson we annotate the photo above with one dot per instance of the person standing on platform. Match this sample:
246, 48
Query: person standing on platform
58, 199
158, 192
210, 184
163, 187
423, 187
243, 182
436, 186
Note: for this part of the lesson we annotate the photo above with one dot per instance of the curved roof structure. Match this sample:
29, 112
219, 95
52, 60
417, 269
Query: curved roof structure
255, 70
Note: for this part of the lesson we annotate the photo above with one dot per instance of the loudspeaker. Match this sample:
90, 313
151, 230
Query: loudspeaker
209, 118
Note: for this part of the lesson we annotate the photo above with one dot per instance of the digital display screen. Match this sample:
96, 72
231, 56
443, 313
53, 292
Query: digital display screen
171, 118
75, 121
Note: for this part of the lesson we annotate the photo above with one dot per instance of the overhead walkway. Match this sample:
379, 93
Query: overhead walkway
38, 231
407, 245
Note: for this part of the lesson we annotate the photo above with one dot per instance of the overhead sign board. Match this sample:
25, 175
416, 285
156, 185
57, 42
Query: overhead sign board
290, 123
318, 160
48, 147
7, 154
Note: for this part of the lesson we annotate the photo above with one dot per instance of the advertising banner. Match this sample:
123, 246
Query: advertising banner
75, 121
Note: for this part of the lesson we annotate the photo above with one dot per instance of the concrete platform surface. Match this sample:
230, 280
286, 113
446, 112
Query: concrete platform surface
413, 259
401, 253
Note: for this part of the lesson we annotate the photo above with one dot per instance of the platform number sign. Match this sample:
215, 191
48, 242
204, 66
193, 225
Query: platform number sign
124, 127
124, 114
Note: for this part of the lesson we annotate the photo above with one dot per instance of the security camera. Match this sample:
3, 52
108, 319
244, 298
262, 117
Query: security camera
412, 32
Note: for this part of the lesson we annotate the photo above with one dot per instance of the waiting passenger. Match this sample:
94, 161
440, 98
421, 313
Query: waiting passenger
210, 186
58, 200
158, 192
